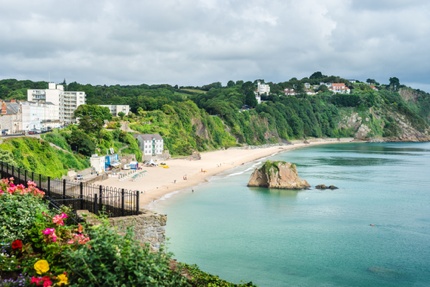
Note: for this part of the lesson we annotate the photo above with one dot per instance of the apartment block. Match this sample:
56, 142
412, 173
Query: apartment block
67, 101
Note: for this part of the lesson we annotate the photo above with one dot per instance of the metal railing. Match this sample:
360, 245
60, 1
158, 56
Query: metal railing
114, 202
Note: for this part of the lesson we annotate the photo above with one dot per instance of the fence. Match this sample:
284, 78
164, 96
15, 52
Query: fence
114, 202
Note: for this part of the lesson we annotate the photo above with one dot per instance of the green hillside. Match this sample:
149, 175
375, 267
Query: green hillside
38, 156
215, 116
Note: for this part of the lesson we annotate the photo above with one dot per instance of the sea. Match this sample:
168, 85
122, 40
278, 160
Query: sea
374, 230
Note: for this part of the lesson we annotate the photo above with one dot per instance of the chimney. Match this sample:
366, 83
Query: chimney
3, 108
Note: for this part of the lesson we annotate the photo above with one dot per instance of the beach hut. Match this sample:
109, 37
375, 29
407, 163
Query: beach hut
111, 161
134, 165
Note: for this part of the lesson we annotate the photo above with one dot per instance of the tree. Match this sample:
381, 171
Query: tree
215, 85
121, 115
230, 84
250, 99
316, 75
323, 88
92, 117
394, 84
372, 81
81, 142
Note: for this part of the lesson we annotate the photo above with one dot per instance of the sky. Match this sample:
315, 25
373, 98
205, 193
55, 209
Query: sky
198, 42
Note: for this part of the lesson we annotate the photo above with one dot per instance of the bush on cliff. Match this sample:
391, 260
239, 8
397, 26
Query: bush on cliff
119, 260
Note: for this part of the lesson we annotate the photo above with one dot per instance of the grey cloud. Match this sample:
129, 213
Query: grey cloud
198, 42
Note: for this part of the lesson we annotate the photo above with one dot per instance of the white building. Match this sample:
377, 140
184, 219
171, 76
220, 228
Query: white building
152, 145
97, 163
263, 89
67, 101
339, 88
116, 109
39, 116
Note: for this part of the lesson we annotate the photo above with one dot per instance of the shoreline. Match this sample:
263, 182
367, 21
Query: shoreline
181, 174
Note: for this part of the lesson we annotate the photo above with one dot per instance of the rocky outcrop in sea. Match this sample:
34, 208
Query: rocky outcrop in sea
278, 174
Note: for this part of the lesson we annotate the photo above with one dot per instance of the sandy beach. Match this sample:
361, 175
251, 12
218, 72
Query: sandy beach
182, 174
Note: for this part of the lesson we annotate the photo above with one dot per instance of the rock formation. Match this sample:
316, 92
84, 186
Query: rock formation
323, 186
278, 174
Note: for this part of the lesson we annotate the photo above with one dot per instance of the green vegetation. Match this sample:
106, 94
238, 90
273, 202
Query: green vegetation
184, 128
92, 117
215, 116
119, 260
45, 247
273, 166
189, 119
270, 166
39, 156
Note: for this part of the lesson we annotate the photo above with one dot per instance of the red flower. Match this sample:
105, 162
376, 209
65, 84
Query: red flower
17, 244
44, 281
36, 280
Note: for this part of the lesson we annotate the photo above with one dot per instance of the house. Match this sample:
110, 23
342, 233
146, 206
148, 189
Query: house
20, 117
289, 92
151, 145
67, 101
10, 117
39, 116
116, 109
339, 88
262, 89
98, 163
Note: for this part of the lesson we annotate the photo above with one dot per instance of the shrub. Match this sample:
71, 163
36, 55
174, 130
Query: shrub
118, 260
57, 139
200, 278
19, 210
34, 238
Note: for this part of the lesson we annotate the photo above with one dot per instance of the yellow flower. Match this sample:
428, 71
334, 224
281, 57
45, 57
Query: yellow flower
62, 279
41, 266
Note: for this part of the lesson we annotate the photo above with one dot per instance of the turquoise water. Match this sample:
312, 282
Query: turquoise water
372, 231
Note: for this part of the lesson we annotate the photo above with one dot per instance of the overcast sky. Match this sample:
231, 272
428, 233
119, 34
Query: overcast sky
197, 42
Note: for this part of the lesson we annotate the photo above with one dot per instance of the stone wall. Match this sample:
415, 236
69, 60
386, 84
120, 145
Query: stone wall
149, 227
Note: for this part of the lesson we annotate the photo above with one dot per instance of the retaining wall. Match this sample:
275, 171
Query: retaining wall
149, 227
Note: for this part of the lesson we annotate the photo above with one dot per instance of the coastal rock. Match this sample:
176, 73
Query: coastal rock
279, 174
323, 186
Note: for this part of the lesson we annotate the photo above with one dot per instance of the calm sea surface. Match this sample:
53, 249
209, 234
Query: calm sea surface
372, 231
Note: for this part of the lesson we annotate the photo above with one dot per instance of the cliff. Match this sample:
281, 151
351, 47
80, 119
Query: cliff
280, 174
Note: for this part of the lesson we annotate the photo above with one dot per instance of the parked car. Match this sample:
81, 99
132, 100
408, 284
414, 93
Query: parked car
79, 177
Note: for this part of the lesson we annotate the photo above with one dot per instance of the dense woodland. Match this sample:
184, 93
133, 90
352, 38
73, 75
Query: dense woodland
215, 116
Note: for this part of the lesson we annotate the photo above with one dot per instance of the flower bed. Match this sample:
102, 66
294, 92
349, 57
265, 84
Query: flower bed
43, 247
34, 238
